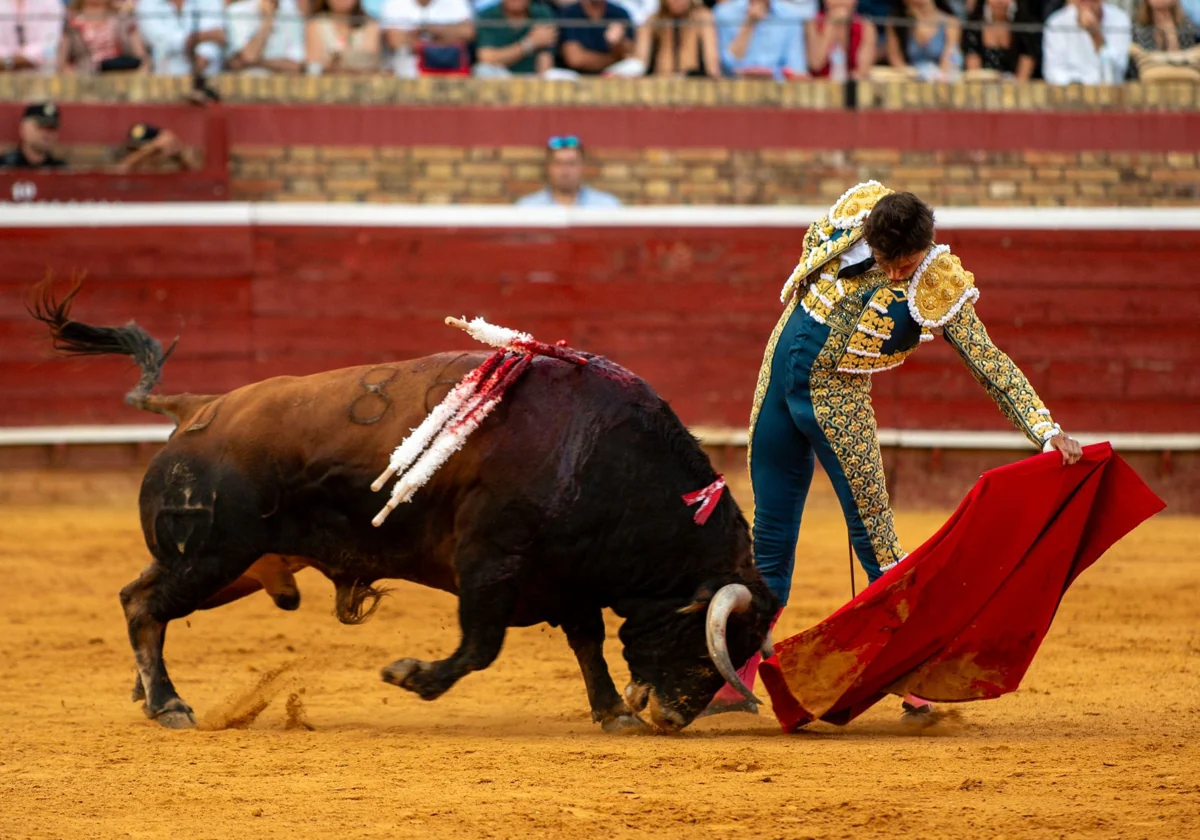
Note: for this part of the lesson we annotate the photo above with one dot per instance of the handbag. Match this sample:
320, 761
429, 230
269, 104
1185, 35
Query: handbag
444, 59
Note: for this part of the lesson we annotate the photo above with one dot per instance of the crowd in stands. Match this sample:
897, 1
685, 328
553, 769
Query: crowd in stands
1062, 41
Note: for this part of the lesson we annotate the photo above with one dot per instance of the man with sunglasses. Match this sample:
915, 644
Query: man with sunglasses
564, 179
871, 287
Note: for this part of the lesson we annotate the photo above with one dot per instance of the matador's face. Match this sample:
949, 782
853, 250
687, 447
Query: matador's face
901, 268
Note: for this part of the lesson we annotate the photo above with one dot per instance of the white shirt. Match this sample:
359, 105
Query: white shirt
165, 30
409, 14
286, 41
639, 10
1068, 54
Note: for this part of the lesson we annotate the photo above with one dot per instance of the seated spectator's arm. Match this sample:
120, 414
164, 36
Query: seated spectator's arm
1025, 64
137, 44
43, 32
708, 45
953, 39
865, 60
210, 29
451, 33
895, 55
207, 36
544, 61
741, 41
166, 145
578, 57
817, 40
314, 46
539, 39
247, 51
643, 43
292, 27
972, 45
397, 38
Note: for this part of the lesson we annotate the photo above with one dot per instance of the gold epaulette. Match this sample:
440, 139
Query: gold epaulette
940, 288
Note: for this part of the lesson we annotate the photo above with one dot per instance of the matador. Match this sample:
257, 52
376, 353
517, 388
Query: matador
871, 287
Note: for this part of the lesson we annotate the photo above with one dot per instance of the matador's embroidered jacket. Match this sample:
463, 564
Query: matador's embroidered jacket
875, 324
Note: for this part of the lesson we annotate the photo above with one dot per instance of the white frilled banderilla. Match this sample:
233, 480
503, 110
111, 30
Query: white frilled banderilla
451, 422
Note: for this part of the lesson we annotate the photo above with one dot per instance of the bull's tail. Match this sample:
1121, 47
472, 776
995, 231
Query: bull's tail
72, 338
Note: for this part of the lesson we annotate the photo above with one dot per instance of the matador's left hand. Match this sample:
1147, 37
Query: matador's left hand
1068, 446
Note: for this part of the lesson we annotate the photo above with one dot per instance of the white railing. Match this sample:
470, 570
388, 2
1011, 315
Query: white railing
246, 214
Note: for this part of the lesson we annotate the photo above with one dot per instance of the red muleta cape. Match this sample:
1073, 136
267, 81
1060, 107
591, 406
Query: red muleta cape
962, 616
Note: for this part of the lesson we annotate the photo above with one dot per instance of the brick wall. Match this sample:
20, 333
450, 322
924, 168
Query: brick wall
498, 175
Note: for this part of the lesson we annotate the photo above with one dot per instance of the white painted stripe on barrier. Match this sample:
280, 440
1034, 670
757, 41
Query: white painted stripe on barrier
54, 435
708, 435
242, 214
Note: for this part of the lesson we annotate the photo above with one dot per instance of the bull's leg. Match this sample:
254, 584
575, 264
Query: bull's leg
489, 587
161, 594
585, 635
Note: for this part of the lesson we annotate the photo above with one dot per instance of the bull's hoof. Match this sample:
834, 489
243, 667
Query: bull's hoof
412, 675
624, 723
174, 715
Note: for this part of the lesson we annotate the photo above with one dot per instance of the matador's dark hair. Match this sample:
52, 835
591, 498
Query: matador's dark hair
899, 225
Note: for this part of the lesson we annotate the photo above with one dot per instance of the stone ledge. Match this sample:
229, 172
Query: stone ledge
690, 93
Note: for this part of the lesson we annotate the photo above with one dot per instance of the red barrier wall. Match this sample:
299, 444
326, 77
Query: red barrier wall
1103, 322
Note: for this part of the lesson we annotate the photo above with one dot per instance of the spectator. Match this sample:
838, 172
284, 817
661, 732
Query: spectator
265, 36
1164, 41
99, 38
1161, 26
185, 37
991, 44
588, 47
515, 36
1086, 41
429, 36
29, 34
840, 43
927, 41
762, 37
37, 136
564, 179
679, 40
340, 39
149, 147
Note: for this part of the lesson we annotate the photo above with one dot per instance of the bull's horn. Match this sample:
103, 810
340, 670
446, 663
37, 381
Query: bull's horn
730, 598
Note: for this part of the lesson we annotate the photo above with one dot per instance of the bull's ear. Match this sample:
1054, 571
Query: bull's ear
699, 601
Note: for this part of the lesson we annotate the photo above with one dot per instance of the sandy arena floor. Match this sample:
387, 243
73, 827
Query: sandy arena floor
1101, 741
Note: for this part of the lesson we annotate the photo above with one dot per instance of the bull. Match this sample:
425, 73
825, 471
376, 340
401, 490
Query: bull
567, 500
